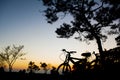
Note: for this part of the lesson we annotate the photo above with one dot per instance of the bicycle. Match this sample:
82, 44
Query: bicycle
65, 66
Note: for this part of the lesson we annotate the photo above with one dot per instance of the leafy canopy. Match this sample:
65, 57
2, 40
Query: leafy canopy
92, 19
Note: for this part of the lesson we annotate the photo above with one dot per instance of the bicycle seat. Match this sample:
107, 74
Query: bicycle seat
72, 52
87, 54
68, 51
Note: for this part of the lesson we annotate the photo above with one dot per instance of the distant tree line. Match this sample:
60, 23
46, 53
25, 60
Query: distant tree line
10, 54
33, 68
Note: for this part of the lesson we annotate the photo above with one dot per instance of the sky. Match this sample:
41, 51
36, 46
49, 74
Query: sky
22, 22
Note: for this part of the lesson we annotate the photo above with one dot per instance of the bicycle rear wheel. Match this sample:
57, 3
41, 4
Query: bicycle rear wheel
95, 64
64, 68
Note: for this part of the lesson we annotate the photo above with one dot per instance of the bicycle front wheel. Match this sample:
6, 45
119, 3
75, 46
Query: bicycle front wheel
64, 68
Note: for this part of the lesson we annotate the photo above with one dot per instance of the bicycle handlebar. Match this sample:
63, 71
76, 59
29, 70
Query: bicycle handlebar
70, 52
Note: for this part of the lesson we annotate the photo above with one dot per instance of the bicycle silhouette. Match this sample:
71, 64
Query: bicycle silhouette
80, 63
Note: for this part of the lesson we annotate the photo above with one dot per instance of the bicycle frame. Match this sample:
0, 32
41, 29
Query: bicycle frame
65, 66
71, 59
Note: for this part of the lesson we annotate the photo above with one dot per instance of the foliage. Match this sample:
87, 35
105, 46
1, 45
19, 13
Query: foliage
112, 56
115, 12
118, 39
10, 55
45, 66
2, 63
32, 67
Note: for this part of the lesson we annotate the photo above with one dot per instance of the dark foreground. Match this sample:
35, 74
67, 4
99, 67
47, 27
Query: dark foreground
74, 76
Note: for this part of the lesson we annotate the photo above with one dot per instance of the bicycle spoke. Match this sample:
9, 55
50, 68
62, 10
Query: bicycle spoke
64, 68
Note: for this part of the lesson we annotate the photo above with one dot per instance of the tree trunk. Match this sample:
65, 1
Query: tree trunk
99, 46
10, 68
100, 49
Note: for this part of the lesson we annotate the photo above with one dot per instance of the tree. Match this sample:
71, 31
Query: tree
10, 55
2, 63
32, 67
45, 66
92, 19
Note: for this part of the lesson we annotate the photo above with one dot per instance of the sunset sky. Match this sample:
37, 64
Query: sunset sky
22, 22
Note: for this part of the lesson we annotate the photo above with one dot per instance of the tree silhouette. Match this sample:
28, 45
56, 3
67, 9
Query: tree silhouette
45, 66
115, 12
32, 67
92, 20
2, 62
112, 56
10, 55
118, 40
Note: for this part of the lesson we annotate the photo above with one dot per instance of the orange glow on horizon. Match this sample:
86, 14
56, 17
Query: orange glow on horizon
23, 64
